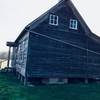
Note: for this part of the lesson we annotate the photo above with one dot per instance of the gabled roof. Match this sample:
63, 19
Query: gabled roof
61, 3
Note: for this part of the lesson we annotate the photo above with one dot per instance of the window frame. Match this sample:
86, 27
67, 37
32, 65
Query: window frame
53, 19
73, 24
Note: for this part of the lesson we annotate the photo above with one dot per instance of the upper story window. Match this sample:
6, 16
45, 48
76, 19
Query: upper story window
53, 20
73, 24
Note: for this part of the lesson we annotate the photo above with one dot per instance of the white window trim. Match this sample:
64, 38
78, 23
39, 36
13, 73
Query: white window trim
73, 24
52, 18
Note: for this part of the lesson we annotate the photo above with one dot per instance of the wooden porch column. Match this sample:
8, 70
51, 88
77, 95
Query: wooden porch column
9, 52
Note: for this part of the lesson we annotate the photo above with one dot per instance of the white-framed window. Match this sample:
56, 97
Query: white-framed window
73, 24
53, 19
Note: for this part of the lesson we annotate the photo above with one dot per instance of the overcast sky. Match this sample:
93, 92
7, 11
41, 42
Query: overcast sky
16, 14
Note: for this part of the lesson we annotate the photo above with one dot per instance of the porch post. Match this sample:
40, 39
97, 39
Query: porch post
9, 56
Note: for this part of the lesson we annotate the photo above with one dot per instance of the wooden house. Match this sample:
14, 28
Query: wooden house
57, 46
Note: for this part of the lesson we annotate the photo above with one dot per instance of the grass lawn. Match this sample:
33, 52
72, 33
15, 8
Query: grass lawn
12, 89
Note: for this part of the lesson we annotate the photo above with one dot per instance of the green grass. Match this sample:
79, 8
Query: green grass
11, 89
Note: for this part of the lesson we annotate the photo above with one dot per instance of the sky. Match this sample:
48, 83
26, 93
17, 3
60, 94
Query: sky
16, 14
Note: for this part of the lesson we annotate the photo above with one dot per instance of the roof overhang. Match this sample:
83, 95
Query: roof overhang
11, 44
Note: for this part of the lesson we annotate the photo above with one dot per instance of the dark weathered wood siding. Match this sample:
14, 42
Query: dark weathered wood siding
57, 51
19, 58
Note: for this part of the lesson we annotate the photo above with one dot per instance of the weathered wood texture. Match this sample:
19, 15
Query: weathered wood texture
58, 51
